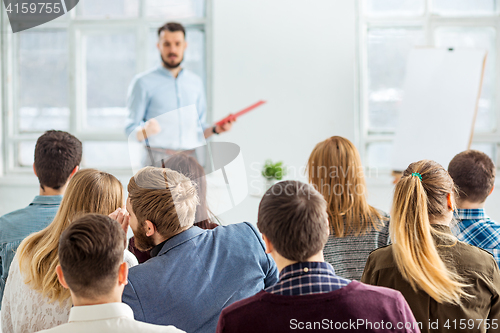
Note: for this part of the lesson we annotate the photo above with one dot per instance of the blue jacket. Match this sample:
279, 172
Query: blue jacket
198, 273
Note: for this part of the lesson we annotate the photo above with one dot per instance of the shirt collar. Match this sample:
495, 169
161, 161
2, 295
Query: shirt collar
177, 240
165, 71
471, 214
100, 312
47, 200
308, 267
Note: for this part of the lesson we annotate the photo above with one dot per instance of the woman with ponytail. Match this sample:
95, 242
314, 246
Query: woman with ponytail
450, 286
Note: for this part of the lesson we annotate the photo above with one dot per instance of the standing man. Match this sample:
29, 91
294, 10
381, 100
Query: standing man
169, 88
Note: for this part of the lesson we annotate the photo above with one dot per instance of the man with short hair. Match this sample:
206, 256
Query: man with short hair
57, 158
91, 266
474, 174
309, 295
193, 273
168, 88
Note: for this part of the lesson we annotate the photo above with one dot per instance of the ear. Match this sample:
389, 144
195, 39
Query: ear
492, 188
158, 46
75, 170
123, 274
150, 228
450, 202
34, 170
60, 277
269, 245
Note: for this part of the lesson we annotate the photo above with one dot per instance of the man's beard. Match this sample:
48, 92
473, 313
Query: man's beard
169, 66
141, 241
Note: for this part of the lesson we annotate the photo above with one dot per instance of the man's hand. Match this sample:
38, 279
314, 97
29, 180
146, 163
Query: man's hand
152, 127
123, 217
224, 127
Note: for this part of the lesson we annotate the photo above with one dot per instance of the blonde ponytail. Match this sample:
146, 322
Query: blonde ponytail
414, 249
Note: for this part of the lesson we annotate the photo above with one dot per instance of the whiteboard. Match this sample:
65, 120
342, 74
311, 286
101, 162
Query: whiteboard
441, 92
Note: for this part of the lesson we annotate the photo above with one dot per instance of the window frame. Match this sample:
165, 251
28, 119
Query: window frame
429, 22
76, 28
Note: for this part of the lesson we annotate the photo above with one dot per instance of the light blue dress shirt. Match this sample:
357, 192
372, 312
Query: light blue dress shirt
17, 225
158, 92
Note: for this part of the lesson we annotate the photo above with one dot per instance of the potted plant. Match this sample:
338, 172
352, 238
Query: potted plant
273, 172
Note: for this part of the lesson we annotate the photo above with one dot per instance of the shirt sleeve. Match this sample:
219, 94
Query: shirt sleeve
202, 108
137, 102
7, 252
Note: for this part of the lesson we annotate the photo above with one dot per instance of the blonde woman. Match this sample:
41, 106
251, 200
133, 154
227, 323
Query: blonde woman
450, 286
356, 228
34, 299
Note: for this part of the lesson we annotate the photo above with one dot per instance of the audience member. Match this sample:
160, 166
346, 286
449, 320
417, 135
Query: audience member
193, 273
309, 295
91, 266
57, 157
445, 281
474, 174
34, 300
335, 170
189, 167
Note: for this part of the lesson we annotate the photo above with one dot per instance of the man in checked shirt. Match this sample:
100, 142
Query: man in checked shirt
474, 174
309, 295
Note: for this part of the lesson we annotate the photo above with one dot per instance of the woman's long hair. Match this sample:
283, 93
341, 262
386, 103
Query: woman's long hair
416, 202
335, 170
89, 191
189, 167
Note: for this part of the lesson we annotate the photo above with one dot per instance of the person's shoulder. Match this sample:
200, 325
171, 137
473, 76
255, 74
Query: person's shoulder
243, 229
374, 292
13, 224
473, 257
381, 258
144, 78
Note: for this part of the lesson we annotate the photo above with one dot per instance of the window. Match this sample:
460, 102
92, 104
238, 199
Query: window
389, 29
73, 74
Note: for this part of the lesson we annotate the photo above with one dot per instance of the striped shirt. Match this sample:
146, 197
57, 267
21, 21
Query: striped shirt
476, 228
305, 278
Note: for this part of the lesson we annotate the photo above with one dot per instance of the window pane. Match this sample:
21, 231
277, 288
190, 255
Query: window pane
170, 9
106, 154
394, 7
111, 66
43, 80
194, 56
26, 153
108, 8
379, 155
483, 38
463, 7
387, 53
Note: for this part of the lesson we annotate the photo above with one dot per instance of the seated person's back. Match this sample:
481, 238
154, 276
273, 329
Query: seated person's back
92, 268
193, 273
57, 157
309, 295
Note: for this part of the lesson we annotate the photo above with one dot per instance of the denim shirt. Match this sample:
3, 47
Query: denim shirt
17, 225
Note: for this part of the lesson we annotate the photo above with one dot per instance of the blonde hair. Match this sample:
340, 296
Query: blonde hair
89, 191
415, 253
335, 170
165, 197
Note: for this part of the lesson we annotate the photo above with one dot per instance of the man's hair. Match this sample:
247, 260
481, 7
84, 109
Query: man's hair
57, 153
165, 197
474, 174
292, 215
172, 27
90, 253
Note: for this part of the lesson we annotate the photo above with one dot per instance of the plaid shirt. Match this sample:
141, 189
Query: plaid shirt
476, 228
306, 278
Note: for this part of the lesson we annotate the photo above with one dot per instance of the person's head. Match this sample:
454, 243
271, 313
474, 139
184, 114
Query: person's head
91, 258
189, 167
57, 157
335, 170
89, 191
293, 220
172, 44
424, 195
162, 203
474, 174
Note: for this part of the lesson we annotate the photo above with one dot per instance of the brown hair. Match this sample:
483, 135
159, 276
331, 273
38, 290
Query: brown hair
335, 170
292, 215
474, 174
89, 191
165, 197
189, 167
172, 27
57, 153
415, 203
90, 253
